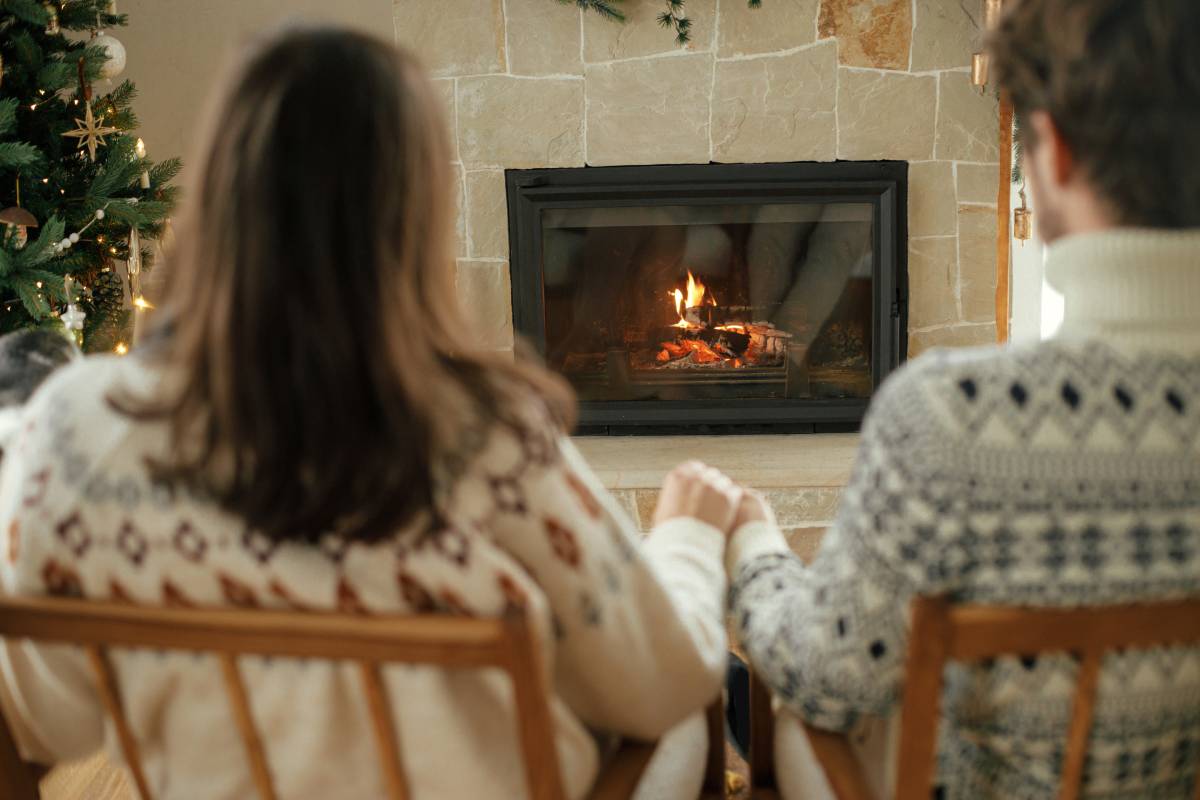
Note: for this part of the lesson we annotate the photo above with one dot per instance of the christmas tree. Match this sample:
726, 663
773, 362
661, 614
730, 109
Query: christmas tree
79, 199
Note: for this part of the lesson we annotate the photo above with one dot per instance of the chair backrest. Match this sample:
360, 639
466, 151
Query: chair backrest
370, 642
943, 632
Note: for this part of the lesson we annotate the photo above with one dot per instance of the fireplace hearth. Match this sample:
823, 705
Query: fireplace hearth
713, 298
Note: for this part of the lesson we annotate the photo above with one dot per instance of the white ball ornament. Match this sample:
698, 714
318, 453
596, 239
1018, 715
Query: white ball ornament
64, 244
99, 213
115, 64
74, 237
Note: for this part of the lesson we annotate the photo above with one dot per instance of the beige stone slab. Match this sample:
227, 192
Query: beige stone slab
486, 296
641, 35
978, 183
945, 33
517, 122
932, 281
445, 87
952, 336
776, 25
885, 115
977, 262
968, 127
460, 209
870, 33
777, 108
932, 210
453, 37
793, 506
763, 462
652, 111
487, 214
543, 38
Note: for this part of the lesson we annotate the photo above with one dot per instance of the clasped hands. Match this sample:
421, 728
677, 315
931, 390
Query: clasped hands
704, 493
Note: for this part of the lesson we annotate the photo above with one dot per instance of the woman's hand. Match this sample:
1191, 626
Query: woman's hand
700, 492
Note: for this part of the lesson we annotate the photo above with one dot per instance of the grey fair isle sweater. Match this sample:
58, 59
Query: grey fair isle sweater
1061, 474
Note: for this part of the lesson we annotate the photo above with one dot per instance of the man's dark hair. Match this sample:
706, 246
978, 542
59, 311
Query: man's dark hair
27, 358
1121, 80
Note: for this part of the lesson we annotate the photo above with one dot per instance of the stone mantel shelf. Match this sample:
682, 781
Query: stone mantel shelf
763, 462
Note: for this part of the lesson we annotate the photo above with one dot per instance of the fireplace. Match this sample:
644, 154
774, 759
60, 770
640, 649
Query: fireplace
713, 298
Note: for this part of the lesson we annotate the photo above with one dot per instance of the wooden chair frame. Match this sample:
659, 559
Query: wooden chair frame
943, 632
455, 642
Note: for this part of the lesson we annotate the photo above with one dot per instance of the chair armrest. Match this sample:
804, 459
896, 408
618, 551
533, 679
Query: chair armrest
839, 763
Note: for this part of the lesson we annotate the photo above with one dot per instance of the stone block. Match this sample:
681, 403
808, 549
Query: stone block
445, 88
485, 295
776, 25
932, 281
804, 505
509, 121
652, 111
945, 33
978, 183
487, 214
777, 108
968, 125
951, 336
641, 35
931, 204
460, 210
453, 37
885, 115
870, 33
977, 263
543, 38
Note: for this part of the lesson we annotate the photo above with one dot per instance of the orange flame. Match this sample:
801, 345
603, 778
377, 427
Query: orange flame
696, 292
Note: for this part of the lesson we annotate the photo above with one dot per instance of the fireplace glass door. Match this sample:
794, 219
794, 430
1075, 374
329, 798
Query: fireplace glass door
676, 300
679, 302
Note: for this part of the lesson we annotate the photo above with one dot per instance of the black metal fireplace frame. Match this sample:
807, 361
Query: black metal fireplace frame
883, 184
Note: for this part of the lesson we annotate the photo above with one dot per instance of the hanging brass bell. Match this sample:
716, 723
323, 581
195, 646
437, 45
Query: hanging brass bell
979, 70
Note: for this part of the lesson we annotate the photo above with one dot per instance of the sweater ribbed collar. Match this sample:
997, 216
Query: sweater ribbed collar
1137, 288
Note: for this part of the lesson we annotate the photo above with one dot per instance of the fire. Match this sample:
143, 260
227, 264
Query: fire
696, 292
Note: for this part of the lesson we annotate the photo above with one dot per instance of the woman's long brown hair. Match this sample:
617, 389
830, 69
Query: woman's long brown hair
317, 357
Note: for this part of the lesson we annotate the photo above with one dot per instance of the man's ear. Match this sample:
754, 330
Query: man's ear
1055, 157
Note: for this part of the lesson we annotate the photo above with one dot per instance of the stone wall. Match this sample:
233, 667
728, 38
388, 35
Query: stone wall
536, 83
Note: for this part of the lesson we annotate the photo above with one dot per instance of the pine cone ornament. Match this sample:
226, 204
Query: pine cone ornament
108, 293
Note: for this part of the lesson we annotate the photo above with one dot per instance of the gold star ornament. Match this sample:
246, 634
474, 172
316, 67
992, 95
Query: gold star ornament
90, 133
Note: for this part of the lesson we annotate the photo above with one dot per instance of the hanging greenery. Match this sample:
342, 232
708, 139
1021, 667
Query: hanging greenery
673, 17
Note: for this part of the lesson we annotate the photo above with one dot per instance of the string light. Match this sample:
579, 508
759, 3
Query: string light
121, 348
142, 303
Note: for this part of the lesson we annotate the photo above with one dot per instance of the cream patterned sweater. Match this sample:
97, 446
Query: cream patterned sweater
1062, 474
632, 630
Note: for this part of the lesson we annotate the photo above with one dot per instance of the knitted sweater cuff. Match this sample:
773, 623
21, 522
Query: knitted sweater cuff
691, 533
750, 541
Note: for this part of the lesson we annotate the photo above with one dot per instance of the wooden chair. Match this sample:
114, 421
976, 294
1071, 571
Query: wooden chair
452, 642
943, 632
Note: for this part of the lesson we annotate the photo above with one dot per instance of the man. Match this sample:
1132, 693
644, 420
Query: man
1062, 474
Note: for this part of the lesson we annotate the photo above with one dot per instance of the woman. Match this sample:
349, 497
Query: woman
313, 429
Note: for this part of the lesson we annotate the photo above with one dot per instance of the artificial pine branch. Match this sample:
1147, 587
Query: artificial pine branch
604, 8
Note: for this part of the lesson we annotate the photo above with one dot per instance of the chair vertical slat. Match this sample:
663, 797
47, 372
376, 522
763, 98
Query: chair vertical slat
1080, 729
110, 695
929, 644
383, 724
531, 691
762, 735
714, 764
16, 777
251, 743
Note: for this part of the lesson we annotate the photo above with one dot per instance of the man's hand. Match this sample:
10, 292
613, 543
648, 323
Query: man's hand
700, 492
753, 507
